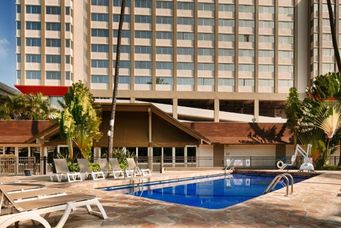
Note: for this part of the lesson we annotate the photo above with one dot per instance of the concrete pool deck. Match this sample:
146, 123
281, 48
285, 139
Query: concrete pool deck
316, 202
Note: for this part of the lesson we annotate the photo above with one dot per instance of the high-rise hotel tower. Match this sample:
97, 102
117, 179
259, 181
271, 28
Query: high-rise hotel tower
222, 60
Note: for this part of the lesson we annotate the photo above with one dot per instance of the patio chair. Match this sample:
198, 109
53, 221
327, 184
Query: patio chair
134, 170
34, 209
85, 170
116, 170
62, 171
104, 166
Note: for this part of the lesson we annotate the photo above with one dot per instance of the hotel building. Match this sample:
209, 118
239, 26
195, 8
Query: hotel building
209, 60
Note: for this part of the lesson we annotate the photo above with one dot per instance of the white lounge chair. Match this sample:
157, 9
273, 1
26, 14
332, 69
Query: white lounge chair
116, 170
85, 170
62, 171
35, 208
229, 166
134, 170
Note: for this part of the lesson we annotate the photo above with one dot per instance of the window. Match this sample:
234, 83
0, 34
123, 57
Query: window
143, 3
18, 74
226, 37
33, 74
67, 59
286, 25
118, 3
286, 54
99, 17
246, 82
287, 11
53, 10
266, 24
67, 42
143, 80
18, 23
164, 65
185, 66
99, 2
164, 80
67, 27
99, 48
184, 81
225, 52
164, 50
33, 58
143, 34
33, 42
226, 67
164, 20
226, 81
18, 7
123, 80
53, 75
123, 64
226, 7
53, 43
33, 9
30, 25
266, 82
246, 9
124, 49
99, 79
143, 19
206, 21
246, 67
247, 53
185, 51
68, 75
206, 6
19, 41
67, 10
143, 65
266, 9
96, 63
185, 36
100, 32
245, 23
286, 69
164, 4
206, 81
266, 39
116, 18
164, 35
185, 21
246, 38
50, 26
143, 49
185, 5
266, 68
206, 51
125, 33
226, 22
19, 58
264, 53
53, 59
206, 66
286, 39
285, 83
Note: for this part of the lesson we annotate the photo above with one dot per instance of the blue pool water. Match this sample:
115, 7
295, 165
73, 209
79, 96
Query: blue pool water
217, 193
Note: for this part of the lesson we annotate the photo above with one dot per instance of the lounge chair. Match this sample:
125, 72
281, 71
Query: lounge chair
116, 170
62, 171
134, 170
34, 209
104, 166
85, 170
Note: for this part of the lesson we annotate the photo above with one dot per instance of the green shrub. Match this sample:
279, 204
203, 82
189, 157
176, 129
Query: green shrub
73, 167
122, 154
95, 167
331, 167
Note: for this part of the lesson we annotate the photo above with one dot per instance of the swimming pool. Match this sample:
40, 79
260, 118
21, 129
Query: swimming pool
211, 193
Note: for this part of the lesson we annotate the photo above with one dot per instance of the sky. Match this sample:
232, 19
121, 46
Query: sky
7, 42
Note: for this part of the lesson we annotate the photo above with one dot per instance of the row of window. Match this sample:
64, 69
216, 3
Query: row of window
36, 58
50, 26
36, 42
36, 9
190, 81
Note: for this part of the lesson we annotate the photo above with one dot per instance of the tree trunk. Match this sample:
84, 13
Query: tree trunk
335, 45
70, 145
114, 93
333, 33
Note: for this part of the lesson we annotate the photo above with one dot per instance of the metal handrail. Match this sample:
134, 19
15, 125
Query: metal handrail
277, 179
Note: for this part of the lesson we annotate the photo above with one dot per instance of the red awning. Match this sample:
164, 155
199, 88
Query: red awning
45, 90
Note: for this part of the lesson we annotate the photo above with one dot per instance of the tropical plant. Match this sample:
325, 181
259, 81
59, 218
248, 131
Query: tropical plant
293, 111
115, 89
25, 107
78, 120
122, 154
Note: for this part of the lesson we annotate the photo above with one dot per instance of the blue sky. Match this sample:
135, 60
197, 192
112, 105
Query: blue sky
7, 42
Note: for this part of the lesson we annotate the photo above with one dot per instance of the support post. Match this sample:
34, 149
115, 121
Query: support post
16, 153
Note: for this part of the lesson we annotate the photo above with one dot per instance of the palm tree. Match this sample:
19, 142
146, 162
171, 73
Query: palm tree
293, 111
114, 93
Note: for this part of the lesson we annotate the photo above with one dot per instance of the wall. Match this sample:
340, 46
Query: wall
205, 156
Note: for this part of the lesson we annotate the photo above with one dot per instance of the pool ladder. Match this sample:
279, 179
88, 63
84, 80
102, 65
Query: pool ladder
287, 177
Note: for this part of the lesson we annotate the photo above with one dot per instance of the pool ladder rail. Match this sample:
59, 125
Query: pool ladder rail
289, 180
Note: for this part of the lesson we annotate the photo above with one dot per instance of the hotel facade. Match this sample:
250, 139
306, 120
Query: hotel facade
197, 60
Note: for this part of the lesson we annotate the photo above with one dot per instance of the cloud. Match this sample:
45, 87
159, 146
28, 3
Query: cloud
4, 43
